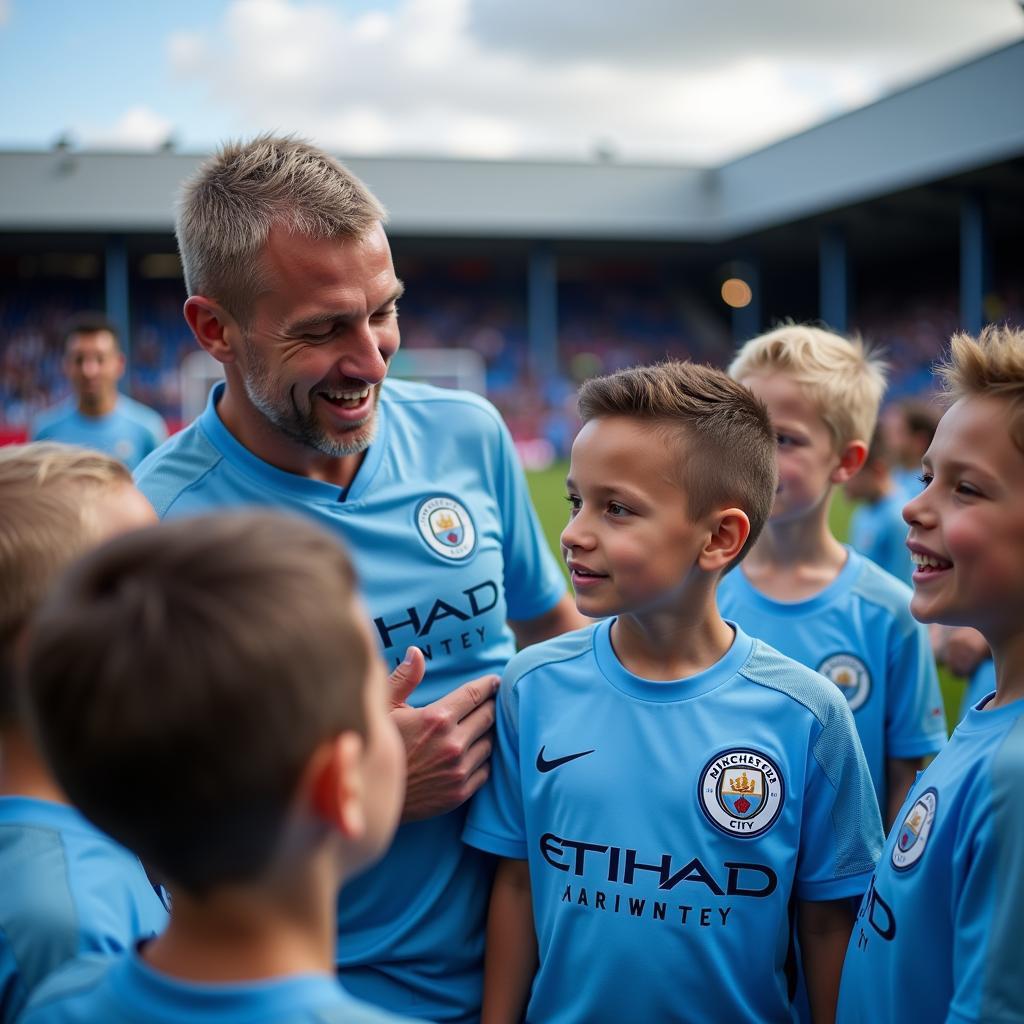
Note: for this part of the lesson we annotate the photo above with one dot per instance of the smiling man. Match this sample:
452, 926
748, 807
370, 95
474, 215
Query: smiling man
292, 288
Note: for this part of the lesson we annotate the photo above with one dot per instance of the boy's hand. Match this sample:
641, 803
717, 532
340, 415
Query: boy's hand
447, 743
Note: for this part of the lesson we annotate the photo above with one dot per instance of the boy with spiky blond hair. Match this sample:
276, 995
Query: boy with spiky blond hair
65, 887
804, 592
940, 928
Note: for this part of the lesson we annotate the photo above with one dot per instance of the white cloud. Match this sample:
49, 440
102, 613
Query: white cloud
661, 79
137, 128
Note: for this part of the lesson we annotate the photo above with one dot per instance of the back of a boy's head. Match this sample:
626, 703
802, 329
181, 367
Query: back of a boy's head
841, 376
989, 366
181, 677
49, 518
726, 444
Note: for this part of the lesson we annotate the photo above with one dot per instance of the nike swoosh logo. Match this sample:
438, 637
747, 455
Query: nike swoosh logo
547, 766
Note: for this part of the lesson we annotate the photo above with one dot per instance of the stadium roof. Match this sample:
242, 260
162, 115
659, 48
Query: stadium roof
956, 122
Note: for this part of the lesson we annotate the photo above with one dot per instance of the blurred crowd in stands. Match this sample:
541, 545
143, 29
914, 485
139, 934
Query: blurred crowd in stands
602, 327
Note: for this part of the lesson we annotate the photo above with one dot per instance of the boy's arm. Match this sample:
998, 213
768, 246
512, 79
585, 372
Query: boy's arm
900, 773
824, 929
510, 961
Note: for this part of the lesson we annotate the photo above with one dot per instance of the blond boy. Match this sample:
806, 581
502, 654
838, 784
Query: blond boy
811, 597
939, 933
66, 887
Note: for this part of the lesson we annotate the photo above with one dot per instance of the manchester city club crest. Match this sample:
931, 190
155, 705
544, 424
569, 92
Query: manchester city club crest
851, 675
446, 527
913, 833
741, 792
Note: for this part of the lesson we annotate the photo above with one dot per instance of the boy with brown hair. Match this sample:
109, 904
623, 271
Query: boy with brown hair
939, 932
665, 789
810, 596
65, 887
237, 735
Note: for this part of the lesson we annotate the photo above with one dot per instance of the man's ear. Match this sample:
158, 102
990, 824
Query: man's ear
213, 327
730, 529
338, 788
851, 458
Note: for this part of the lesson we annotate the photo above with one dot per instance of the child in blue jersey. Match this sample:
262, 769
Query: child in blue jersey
665, 790
208, 691
940, 929
877, 529
811, 597
65, 887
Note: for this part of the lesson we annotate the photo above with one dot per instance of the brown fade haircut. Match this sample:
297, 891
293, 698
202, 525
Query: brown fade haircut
723, 437
227, 209
47, 508
180, 678
990, 366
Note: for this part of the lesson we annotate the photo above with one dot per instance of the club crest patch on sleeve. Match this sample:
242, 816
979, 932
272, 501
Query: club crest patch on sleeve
912, 837
741, 792
851, 675
446, 527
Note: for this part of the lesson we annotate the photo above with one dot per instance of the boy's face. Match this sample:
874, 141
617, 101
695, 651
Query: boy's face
968, 523
807, 456
630, 544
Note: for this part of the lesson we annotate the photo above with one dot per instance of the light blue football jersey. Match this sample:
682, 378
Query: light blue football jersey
439, 523
129, 433
667, 826
859, 633
65, 889
878, 532
126, 990
941, 928
979, 686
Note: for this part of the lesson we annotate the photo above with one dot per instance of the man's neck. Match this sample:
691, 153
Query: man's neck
95, 409
251, 932
23, 772
251, 429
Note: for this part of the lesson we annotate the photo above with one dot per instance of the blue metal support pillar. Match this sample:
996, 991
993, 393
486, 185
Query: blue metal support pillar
542, 310
116, 275
974, 262
746, 320
833, 278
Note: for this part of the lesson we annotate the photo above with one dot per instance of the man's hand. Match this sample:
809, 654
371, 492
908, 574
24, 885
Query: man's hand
447, 743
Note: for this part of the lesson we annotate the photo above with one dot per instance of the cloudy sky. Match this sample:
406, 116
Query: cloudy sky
695, 81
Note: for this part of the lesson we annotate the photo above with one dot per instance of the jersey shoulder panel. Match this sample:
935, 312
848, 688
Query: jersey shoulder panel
75, 978
880, 588
770, 668
141, 414
468, 412
176, 467
49, 419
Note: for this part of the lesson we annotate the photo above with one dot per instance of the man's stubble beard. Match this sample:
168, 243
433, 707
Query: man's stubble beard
286, 418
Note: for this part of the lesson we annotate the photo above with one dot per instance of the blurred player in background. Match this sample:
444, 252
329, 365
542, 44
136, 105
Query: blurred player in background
65, 887
908, 427
939, 931
292, 288
97, 415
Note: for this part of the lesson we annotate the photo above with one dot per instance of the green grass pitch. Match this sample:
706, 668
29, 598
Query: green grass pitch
547, 488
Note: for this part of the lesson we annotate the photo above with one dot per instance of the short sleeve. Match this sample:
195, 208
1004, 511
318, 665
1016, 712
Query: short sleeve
841, 831
495, 822
915, 721
533, 579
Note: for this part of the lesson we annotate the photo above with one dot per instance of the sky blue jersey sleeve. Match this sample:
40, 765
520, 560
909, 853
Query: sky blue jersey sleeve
533, 579
496, 823
841, 833
915, 722
988, 903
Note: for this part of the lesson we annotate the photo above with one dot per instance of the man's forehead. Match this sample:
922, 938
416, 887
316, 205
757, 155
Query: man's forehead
101, 337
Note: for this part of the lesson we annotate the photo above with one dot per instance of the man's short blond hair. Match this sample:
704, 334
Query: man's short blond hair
991, 365
48, 512
842, 376
228, 208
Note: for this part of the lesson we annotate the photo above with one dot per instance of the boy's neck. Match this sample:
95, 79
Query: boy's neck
1009, 658
23, 772
796, 559
671, 644
272, 929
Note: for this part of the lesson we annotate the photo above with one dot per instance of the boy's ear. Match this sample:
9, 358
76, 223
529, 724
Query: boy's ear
212, 325
338, 788
730, 529
851, 458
